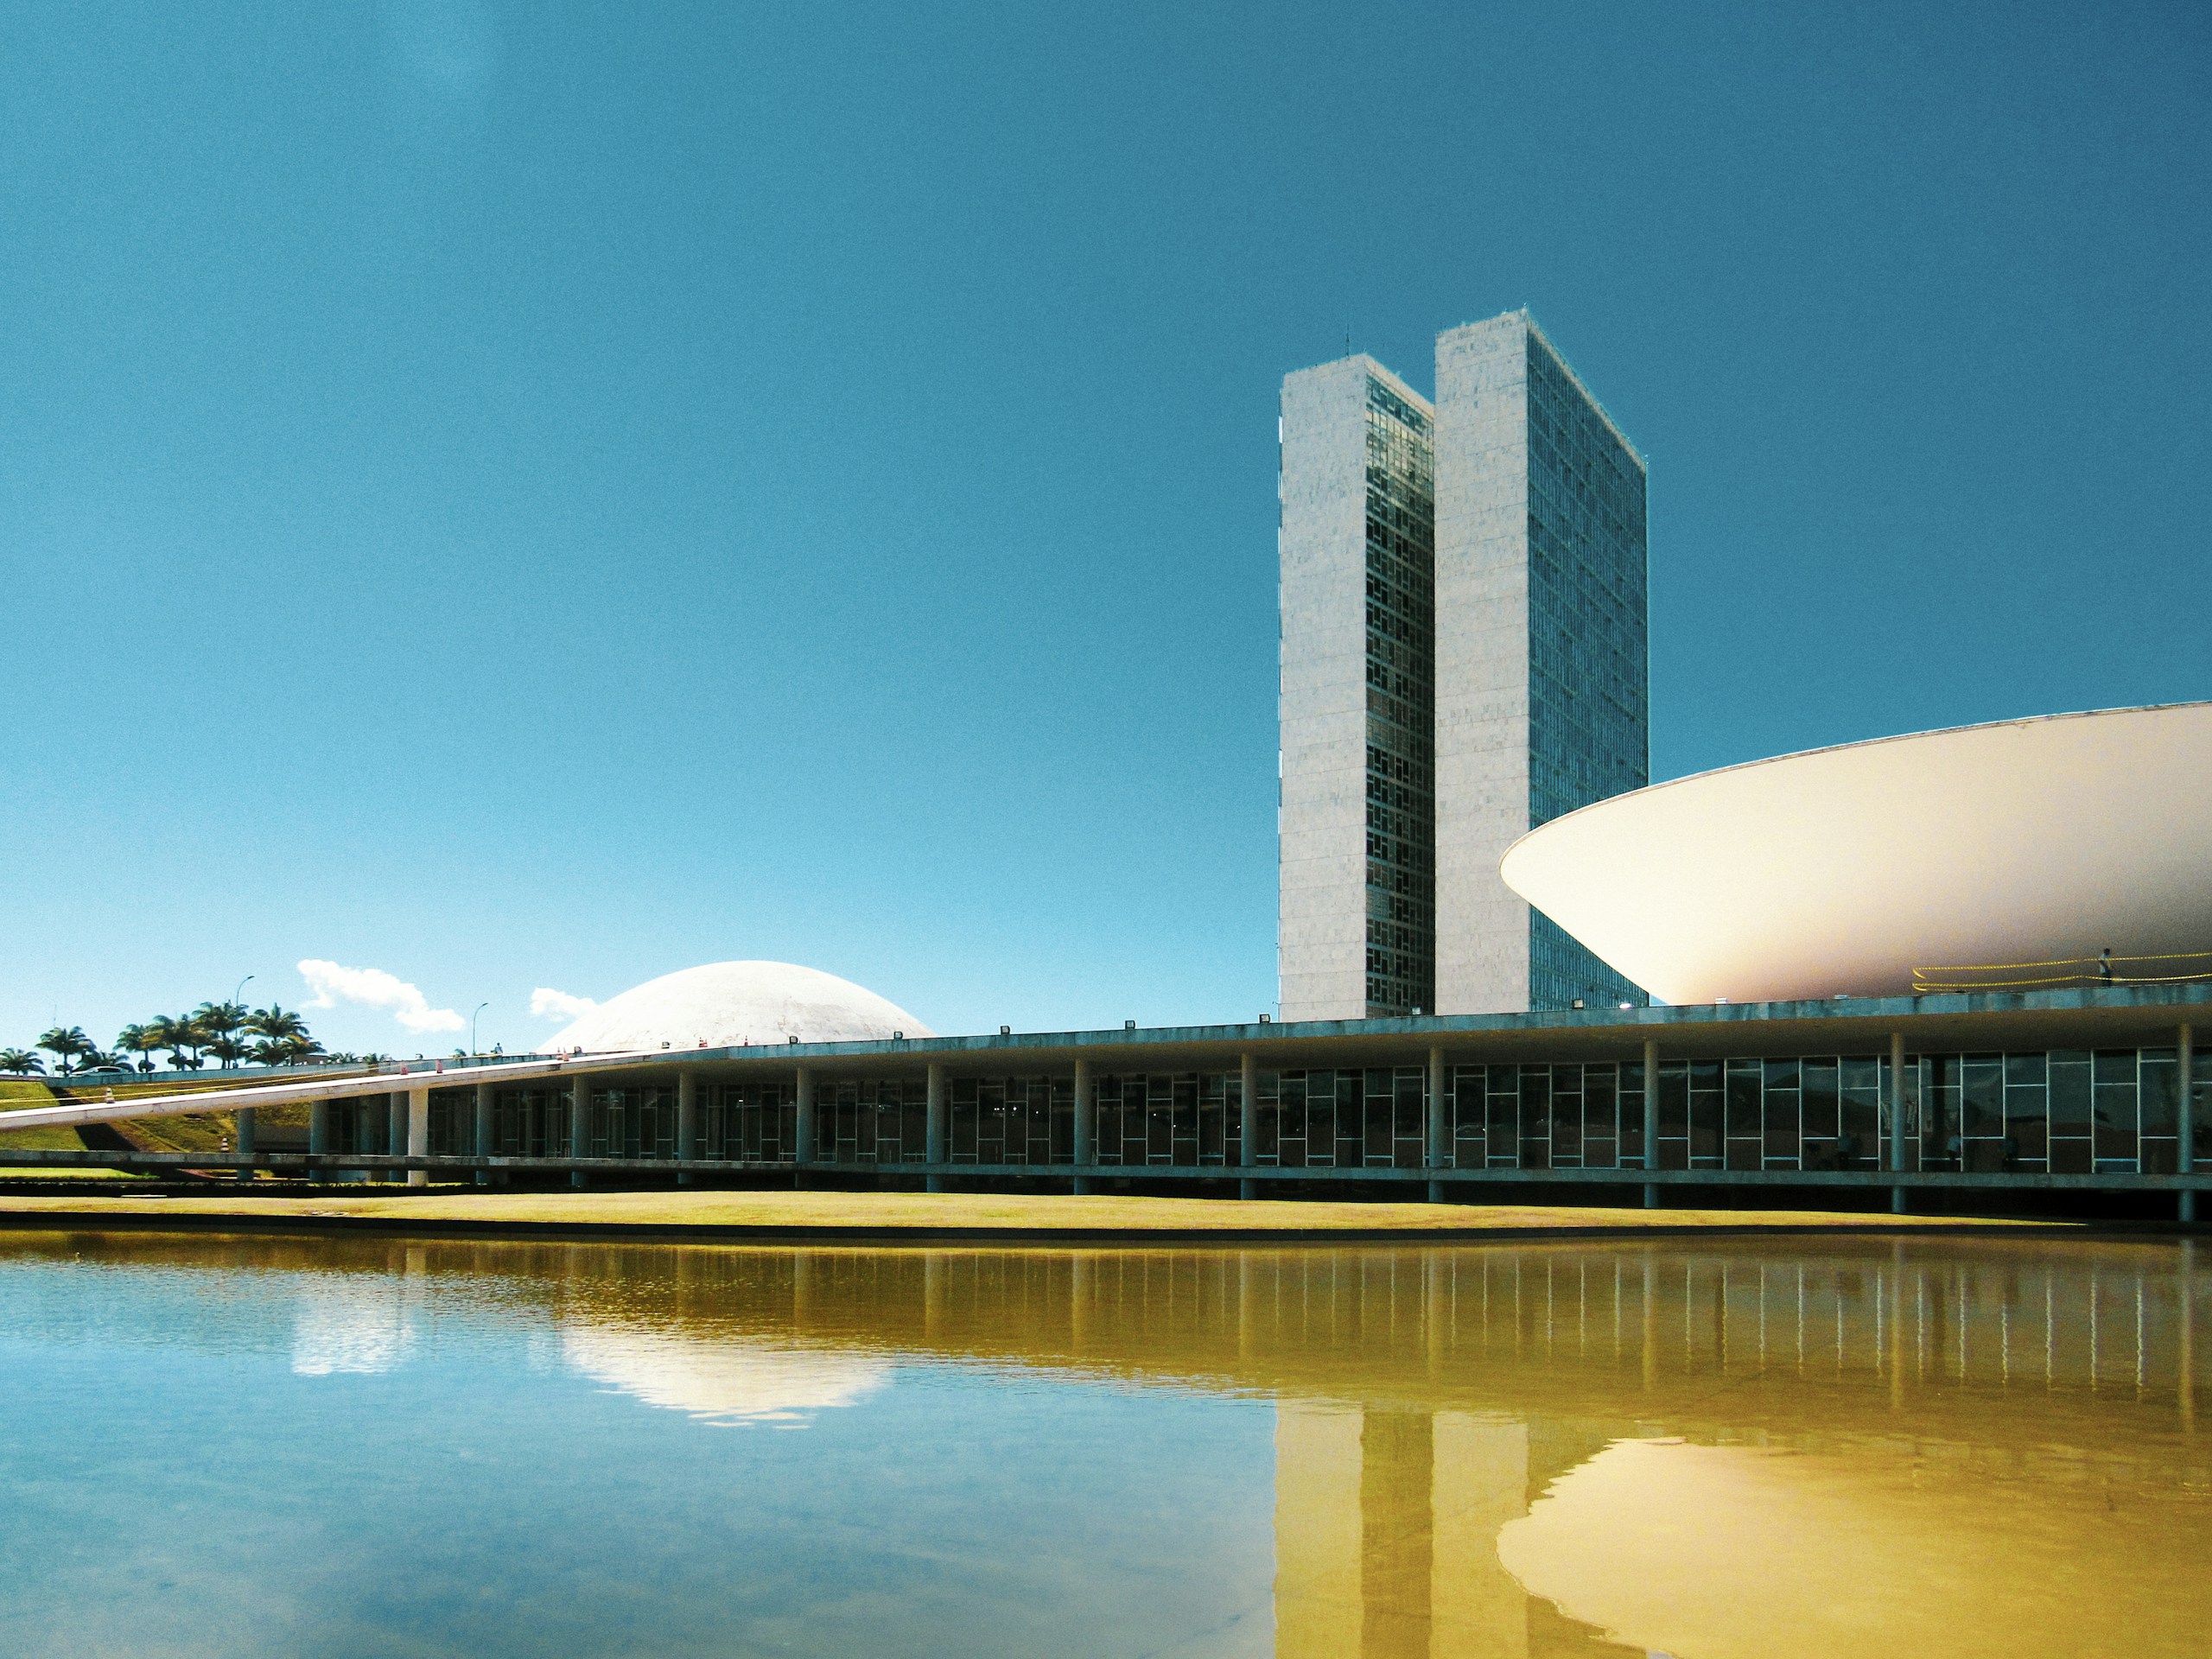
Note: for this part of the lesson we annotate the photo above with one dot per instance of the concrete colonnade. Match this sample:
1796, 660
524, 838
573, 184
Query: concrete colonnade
486, 1129
579, 1123
1248, 1125
1897, 1118
933, 1122
1086, 1124
418, 1132
802, 1119
1652, 1119
2185, 1116
687, 1117
1438, 1137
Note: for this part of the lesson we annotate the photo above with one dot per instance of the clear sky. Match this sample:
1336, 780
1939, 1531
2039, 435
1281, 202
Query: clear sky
516, 496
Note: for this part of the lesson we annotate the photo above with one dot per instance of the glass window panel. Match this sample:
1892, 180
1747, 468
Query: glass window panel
1536, 1117
2114, 1101
1599, 1106
2026, 1120
1504, 1138
2070, 1094
2200, 1095
1351, 1119
1705, 1136
1744, 1092
1863, 1111
1822, 1101
1630, 1113
1780, 1115
2160, 1103
1981, 1096
1673, 1101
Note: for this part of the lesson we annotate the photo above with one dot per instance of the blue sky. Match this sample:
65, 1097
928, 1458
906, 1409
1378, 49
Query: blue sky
543, 495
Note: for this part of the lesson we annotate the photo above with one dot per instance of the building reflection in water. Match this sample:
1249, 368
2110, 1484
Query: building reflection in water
1712, 1450
720, 1383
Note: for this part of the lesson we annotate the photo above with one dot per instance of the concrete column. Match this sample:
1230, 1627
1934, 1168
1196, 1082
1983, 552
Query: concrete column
486, 1131
580, 1125
933, 1125
1247, 1145
1437, 1136
1086, 1124
419, 1133
2185, 1120
803, 1130
687, 1120
1652, 1119
384, 1130
318, 1135
243, 1120
1896, 1117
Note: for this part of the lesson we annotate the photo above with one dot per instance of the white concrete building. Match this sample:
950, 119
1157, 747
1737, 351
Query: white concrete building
1462, 658
1356, 927
1542, 675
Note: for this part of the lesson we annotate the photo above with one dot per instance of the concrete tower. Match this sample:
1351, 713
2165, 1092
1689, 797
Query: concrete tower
1543, 674
1462, 658
1355, 832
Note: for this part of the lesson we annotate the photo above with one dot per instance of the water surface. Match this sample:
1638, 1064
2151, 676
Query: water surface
247, 1447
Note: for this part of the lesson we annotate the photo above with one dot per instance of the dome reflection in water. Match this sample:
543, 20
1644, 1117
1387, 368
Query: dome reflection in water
1709, 1450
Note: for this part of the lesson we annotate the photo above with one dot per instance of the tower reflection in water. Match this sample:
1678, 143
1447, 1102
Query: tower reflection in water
1715, 1451
1712, 1450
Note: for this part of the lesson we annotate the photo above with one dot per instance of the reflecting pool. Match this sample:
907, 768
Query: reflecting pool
1709, 1450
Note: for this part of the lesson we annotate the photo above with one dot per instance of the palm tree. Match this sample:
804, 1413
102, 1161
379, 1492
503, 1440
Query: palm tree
179, 1037
21, 1062
228, 1049
66, 1043
275, 1024
220, 1022
136, 1039
294, 1050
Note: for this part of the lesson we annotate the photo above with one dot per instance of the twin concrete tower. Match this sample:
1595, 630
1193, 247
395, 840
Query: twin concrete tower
1463, 658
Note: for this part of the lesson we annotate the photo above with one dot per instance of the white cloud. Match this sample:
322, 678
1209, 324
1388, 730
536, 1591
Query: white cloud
374, 987
548, 1004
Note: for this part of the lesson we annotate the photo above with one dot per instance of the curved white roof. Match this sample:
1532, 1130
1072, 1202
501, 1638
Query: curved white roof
1841, 871
728, 1004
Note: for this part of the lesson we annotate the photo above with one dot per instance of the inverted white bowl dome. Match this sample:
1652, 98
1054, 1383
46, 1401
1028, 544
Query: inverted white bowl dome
1856, 870
728, 1004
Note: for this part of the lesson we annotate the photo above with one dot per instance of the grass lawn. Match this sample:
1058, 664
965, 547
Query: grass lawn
979, 1211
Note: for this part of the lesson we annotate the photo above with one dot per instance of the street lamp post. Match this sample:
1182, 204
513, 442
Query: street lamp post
237, 1002
481, 1007
243, 1119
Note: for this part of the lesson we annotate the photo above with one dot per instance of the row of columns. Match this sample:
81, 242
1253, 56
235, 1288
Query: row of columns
415, 1135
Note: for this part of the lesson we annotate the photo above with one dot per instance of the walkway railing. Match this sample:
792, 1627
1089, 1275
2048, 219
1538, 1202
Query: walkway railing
2081, 971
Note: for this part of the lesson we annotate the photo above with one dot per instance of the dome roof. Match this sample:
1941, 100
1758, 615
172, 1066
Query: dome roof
728, 1004
1858, 870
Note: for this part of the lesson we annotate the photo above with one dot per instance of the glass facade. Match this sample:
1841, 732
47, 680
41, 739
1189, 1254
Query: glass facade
749, 1122
2106, 1111
1401, 705
1588, 635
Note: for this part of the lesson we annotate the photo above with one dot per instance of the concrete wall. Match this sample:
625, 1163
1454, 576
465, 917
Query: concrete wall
1481, 662
1321, 924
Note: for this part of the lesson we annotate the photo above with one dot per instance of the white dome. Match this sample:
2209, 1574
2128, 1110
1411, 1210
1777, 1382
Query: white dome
728, 1004
1871, 867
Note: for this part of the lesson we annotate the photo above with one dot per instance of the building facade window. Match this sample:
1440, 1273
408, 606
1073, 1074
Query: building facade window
1401, 705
